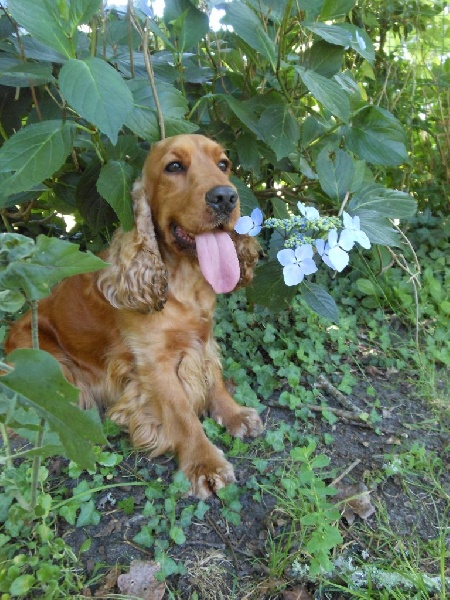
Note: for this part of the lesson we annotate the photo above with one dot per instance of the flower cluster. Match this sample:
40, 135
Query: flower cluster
300, 231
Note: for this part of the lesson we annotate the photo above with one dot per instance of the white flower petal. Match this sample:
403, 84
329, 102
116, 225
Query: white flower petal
286, 257
303, 252
338, 258
254, 230
347, 220
321, 246
257, 216
347, 239
332, 238
243, 225
362, 239
308, 266
293, 275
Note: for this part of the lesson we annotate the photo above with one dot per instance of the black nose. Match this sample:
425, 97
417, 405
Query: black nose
222, 199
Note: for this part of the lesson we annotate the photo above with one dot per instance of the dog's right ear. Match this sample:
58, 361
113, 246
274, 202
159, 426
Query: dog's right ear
137, 277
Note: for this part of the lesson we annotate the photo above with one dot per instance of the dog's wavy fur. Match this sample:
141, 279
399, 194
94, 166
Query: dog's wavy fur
136, 338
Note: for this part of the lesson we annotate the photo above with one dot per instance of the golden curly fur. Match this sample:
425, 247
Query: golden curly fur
136, 338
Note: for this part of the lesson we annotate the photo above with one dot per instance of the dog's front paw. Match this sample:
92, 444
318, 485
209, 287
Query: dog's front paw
208, 474
245, 423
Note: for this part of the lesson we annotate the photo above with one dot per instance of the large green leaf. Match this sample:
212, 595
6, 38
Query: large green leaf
378, 229
327, 92
377, 136
35, 153
51, 261
114, 184
244, 111
319, 301
247, 26
97, 92
333, 9
247, 198
335, 172
346, 35
16, 73
323, 58
268, 288
384, 201
188, 24
279, 129
39, 384
143, 118
55, 24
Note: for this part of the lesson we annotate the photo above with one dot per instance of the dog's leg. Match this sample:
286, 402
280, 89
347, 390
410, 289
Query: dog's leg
161, 418
239, 421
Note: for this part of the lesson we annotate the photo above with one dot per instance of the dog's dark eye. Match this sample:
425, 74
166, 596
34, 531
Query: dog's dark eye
174, 167
223, 165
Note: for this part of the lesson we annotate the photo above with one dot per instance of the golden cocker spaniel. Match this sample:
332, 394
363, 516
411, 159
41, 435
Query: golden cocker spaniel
137, 337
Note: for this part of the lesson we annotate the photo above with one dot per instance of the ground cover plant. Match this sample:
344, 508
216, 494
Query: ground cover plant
347, 493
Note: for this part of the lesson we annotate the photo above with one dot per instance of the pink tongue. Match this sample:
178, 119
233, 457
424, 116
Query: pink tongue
218, 260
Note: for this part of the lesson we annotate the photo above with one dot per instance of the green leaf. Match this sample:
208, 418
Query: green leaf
378, 229
247, 26
44, 21
333, 9
89, 515
243, 111
335, 172
51, 261
384, 201
377, 136
34, 153
247, 198
327, 92
323, 58
97, 92
114, 184
39, 384
268, 288
346, 35
187, 23
11, 300
177, 535
143, 118
22, 585
279, 129
16, 73
319, 301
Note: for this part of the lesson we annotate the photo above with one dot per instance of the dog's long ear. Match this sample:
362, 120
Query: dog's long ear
247, 249
136, 278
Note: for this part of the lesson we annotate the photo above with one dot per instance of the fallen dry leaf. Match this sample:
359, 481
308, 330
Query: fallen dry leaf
298, 593
355, 499
109, 582
140, 582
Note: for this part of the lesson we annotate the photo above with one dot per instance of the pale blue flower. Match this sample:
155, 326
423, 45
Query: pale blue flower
309, 212
297, 263
332, 252
352, 233
251, 225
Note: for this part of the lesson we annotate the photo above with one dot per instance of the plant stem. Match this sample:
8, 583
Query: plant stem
6, 445
40, 434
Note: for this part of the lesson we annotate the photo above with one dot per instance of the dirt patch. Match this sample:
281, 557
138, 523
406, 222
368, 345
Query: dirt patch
221, 557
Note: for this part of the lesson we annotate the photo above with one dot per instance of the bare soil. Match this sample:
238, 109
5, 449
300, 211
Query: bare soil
228, 561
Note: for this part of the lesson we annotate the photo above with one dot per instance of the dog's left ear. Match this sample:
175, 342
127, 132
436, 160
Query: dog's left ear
247, 249
137, 277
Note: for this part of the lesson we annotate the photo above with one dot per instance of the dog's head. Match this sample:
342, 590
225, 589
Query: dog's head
187, 182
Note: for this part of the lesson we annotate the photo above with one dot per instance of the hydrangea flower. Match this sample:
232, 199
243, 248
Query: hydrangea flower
297, 263
352, 233
309, 212
332, 252
251, 225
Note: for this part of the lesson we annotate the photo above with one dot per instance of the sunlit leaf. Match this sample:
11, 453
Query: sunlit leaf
39, 384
